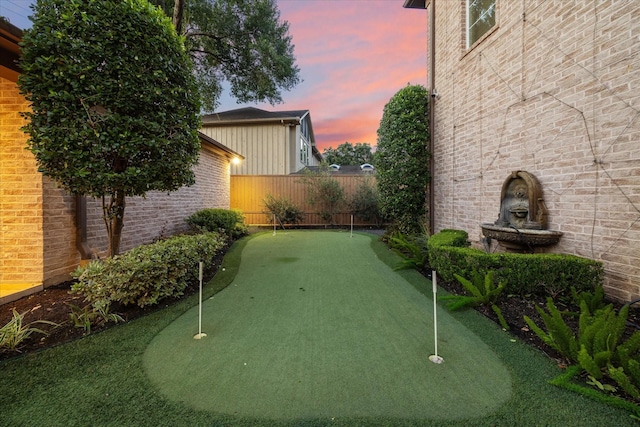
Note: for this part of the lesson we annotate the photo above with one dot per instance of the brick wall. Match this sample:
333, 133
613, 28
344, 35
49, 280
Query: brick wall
555, 94
60, 255
163, 214
20, 196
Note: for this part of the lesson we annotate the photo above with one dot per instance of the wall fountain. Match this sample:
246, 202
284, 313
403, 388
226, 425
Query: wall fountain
522, 222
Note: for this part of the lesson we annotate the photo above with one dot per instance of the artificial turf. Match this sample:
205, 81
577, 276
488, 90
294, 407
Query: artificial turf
101, 380
314, 325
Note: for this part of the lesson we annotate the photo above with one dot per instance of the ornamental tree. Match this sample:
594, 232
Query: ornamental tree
114, 104
402, 158
241, 42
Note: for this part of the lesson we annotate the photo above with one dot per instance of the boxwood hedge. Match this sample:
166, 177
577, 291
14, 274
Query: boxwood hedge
541, 274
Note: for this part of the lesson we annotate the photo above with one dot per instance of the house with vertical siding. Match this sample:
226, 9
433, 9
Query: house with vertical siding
273, 142
546, 87
45, 233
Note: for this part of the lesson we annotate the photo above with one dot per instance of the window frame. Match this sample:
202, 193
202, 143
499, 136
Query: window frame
467, 28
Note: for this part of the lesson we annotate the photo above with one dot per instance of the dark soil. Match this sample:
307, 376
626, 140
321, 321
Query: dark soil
54, 305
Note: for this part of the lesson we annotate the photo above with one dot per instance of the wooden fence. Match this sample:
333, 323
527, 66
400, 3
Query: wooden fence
249, 191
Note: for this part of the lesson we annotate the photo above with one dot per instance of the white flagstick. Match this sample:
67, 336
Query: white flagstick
351, 226
434, 357
200, 335
274, 224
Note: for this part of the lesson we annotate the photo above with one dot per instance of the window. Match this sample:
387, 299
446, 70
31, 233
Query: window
304, 151
481, 17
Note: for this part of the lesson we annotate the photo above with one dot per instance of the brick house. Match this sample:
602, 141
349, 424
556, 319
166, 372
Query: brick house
548, 87
273, 142
45, 232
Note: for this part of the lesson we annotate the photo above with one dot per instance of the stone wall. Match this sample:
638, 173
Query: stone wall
552, 90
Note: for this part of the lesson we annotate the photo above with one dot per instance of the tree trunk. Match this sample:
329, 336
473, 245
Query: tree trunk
113, 214
178, 10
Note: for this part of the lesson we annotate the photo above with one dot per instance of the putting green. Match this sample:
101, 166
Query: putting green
315, 326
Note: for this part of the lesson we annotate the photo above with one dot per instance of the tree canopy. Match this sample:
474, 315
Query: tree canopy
402, 158
114, 104
348, 154
242, 42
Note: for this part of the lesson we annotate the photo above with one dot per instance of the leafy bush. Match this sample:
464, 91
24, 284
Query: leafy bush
325, 193
15, 331
524, 273
597, 347
227, 221
482, 290
364, 202
147, 274
284, 210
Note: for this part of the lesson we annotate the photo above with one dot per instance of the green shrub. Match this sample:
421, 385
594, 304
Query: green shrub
147, 274
227, 221
324, 193
284, 210
539, 274
364, 203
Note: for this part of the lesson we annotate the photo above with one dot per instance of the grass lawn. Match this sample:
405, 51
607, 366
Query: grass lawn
310, 328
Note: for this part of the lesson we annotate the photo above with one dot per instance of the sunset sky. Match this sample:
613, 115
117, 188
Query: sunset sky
353, 55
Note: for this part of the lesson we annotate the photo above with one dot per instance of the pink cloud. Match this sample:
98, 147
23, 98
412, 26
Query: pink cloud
353, 56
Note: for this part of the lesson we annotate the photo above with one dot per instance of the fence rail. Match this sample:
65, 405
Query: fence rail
249, 191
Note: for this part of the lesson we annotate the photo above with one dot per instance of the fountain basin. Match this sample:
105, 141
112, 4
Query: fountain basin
519, 239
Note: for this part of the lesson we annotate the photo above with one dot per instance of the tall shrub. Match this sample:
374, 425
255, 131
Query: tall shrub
324, 193
402, 158
364, 202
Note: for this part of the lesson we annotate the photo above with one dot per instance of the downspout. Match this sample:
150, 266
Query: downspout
81, 228
432, 91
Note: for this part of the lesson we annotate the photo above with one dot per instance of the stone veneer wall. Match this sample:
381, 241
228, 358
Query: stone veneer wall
552, 90
21, 241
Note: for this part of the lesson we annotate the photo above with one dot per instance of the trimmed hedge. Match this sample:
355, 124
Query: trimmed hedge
228, 221
539, 274
149, 273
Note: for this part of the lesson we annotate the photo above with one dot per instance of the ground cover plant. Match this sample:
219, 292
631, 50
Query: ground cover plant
100, 379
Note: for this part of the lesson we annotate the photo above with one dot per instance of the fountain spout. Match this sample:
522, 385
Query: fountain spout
522, 222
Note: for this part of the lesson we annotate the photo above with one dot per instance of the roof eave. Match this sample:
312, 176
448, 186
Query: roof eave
415, 4
228, 152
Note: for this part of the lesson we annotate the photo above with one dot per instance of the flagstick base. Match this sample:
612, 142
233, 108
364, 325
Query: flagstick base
436, 359
199, 336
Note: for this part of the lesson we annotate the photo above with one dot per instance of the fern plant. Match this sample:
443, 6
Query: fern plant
597, 348
413, 250
483, 291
